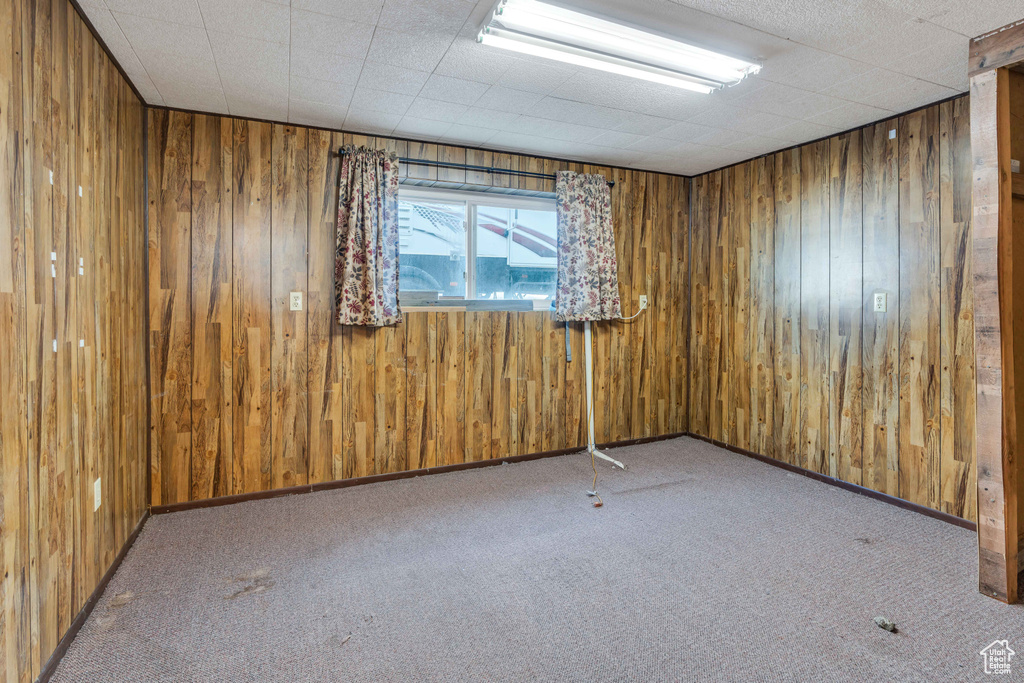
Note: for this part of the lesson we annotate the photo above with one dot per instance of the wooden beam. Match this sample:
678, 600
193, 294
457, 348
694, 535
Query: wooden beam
998, 309
996, 49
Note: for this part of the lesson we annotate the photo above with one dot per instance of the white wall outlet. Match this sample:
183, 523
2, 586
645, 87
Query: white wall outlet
97, 495
643, 301
880, 298
296, 301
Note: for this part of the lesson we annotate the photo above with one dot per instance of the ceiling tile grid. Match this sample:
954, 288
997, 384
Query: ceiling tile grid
412, 68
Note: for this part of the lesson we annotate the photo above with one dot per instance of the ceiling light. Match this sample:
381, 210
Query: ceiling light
537, 28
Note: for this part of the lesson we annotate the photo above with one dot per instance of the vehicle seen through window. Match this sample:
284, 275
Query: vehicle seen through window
475, 246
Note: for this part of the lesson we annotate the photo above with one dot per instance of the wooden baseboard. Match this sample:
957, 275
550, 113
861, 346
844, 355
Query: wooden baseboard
839, 483
83, 614
392, 476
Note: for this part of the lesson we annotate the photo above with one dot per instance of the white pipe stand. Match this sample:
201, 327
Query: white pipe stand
591, 447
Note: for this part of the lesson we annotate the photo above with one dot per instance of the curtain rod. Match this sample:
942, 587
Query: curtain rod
481, 169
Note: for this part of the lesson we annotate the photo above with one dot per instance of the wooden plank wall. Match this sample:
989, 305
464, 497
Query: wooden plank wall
248, 396
788, 252
72, 323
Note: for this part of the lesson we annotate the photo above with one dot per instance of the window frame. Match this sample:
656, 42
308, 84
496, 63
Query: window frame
471, 200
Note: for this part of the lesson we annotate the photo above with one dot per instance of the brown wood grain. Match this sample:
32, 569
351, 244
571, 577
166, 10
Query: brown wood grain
997, 312
814, 306
288, 273
958, 492
251, 326
880, 397
72, 301
846, 313
761, 331
788, 446
212, 432
919, 307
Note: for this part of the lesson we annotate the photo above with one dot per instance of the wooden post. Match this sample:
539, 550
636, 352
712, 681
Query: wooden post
999, 313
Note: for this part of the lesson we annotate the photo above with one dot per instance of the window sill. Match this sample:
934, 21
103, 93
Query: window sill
480, 305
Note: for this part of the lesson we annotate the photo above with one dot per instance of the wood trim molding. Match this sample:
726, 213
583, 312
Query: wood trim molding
846, 486
996, 308
996, 49
392, 476
83, 614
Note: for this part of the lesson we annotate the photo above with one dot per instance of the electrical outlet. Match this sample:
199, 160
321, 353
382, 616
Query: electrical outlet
97, 495
880, 302
1014, 165
643, 301
296, 301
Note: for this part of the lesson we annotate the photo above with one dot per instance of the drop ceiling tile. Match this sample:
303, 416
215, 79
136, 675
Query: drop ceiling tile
435, 110
450, 89
684, 131
809, 106
541, 78
911, 96
890, 44
324, 67
642, 124
186, 95
153, 37
201, 72
363, 11
470, 135
369, 121
862, 87
803, 131
719, 137
422, 52
250, 18
983, 16
941, 64
331, 35
505, 99
316, 114
471, 61
421, 129
239, 78
823, 73
392, 78
256, 54
578, 112
756, 145
416, 16
175, 11
616, 139
337, 95
757, 122
249, 106
850, 115
365, 100
487, 118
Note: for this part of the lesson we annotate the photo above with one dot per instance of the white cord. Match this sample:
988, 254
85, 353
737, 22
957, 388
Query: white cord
642, 309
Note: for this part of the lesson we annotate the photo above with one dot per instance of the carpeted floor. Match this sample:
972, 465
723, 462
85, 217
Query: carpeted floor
703, 565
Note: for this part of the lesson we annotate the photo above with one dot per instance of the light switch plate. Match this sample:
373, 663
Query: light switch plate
880, 302
97, 495
296, 301
1014, 165
892, 134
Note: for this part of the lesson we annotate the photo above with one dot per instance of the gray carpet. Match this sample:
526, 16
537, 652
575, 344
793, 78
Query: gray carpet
702, 565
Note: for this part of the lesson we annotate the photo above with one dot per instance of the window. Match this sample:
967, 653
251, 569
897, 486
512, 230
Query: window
482, 246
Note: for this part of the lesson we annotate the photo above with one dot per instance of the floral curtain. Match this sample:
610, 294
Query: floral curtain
366, 262
588, 282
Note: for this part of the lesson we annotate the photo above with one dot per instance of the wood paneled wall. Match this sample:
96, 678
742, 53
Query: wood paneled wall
72, 323
788, 357
249, 396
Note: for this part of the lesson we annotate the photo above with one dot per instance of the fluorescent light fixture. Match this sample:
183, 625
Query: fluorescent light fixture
545, 30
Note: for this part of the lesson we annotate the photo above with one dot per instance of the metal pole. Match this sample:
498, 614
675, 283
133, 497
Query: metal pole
591, 446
